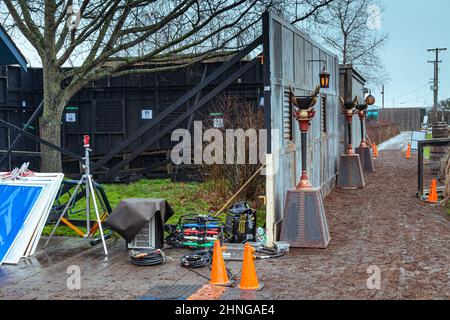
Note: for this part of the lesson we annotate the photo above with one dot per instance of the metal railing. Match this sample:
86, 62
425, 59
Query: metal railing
434, 163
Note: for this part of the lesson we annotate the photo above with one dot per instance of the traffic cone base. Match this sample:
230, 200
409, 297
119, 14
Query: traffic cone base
433, 196
249, 279
219, 276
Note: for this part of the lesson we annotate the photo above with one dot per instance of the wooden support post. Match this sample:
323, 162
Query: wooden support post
270, 199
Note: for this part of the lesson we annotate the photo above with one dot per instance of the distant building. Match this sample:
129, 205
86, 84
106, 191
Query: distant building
9, 53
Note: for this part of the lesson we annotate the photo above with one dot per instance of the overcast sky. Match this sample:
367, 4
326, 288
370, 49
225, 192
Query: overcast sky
415, 26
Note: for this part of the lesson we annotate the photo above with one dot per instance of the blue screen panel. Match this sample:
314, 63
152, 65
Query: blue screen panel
16, 203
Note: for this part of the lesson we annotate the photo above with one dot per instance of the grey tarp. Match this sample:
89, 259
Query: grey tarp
131, 215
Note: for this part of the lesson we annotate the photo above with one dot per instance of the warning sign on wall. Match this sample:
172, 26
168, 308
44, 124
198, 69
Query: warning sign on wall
71, 117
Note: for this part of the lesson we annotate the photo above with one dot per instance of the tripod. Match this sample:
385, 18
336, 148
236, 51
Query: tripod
87, 181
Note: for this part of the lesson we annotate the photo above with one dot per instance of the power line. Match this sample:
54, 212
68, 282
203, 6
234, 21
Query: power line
412, 91
416, 99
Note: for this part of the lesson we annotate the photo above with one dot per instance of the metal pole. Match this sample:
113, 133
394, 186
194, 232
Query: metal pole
362, 132
91, 187
350, 138
87, 170
64, 211
420, 171
436, 79
304, 136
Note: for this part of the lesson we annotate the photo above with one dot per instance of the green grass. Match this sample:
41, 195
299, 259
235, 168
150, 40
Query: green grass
426, 150
184, 198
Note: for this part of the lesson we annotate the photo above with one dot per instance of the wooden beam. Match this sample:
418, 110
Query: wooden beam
180, 119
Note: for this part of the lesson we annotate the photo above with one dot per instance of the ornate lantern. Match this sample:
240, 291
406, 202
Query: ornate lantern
370, 100
324, 78
348, 110
304, 113
362, 111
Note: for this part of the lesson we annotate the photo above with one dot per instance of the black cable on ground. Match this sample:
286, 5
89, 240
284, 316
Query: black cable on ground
270, 254
196, 259
147, 257
200, 259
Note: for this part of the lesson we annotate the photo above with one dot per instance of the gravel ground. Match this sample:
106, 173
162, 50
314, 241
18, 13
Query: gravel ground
382, 227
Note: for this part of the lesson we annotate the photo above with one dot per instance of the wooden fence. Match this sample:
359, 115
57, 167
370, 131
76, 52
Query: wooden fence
409, 119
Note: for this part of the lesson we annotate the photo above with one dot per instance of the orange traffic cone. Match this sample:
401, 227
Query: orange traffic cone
249, 279
219, 275
408, 152
433, 196
375, 150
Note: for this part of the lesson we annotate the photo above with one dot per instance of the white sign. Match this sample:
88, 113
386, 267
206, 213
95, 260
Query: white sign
71, 117
218, 123
147, 114
416, 137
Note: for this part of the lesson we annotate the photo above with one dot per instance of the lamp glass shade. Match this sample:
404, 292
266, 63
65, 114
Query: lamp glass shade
370, 100
324, 79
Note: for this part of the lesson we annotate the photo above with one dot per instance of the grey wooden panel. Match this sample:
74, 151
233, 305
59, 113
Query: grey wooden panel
277, 49
290, 52
299, 60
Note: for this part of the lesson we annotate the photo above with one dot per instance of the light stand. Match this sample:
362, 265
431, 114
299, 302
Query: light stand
363, 150
87, 180
350, 171
304, 221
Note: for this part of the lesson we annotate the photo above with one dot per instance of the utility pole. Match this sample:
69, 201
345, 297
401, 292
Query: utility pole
436, 78
382, 95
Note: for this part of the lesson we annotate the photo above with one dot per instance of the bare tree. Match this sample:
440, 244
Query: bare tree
105, 37
301, 10
352, 28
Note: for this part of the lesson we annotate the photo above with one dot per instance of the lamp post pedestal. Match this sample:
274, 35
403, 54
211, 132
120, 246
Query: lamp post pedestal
363, 150
350, 174
304, 222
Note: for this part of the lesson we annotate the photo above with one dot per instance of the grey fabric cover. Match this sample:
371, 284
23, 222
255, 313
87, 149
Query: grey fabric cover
131, 215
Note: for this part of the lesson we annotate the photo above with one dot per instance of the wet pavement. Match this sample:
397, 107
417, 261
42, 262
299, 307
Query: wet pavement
399, 142
382, 228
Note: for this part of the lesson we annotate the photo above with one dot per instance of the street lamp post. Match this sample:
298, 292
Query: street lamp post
304, 113
305, 202
350, 174
363, 150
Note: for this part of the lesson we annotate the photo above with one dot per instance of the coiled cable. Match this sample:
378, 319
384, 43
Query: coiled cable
196, 259
147, 258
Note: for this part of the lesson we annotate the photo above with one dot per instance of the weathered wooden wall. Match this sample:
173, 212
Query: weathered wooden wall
409, 119
110, 109
289, 51
351, 85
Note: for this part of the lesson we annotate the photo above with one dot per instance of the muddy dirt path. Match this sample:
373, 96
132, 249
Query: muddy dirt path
383, 226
